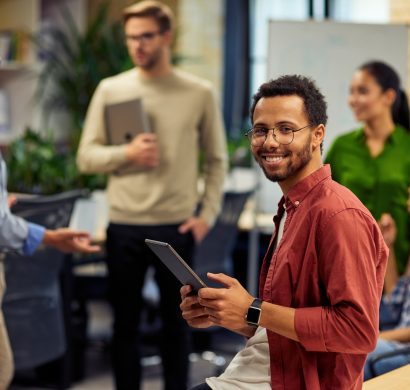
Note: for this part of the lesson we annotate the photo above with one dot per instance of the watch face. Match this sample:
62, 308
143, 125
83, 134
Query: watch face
253, 315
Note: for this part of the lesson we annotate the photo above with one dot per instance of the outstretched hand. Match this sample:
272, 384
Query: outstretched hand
68, 240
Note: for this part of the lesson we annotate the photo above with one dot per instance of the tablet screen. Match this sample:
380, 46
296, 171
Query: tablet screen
182, 271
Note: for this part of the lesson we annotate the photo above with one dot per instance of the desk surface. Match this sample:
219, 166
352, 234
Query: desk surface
394, 380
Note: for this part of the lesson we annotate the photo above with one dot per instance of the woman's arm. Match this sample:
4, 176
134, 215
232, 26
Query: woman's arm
399, 334
389, 232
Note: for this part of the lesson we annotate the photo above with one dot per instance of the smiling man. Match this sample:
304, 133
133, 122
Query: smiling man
316, 316
157, 197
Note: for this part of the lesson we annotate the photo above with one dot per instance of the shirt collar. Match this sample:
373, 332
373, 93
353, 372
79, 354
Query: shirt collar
301, 189
394, 137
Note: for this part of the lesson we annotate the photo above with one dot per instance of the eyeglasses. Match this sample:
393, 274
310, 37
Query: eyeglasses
282, 134
144, 37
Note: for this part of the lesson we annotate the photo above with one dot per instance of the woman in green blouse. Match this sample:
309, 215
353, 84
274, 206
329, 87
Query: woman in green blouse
374, 160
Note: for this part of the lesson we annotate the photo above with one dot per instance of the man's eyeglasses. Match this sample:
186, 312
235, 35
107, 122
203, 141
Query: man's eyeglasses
283, 134
144, 37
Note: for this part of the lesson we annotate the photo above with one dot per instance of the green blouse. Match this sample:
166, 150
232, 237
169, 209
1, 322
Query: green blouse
380, 182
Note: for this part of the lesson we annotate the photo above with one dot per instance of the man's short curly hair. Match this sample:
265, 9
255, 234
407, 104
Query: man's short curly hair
304, 87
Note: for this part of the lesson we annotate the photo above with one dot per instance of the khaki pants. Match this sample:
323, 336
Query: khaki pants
6, 357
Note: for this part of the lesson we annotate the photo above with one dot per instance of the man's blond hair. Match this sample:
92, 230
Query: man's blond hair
151, 9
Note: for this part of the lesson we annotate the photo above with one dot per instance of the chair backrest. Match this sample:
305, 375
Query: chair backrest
213, 254
32, 303
50, 211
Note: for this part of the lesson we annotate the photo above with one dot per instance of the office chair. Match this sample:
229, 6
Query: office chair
36, 304
213, 254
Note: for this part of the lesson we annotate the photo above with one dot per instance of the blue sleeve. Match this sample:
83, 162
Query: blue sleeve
34, 238
15, 233
394, 301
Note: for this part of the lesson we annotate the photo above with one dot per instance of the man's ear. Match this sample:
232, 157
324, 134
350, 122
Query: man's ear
318, 134
167, 35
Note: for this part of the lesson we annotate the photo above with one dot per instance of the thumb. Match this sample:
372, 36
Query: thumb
226, 280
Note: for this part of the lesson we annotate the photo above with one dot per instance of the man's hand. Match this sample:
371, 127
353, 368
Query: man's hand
194, 314
67, 240
226, 306
143, 150
388, 229
197, 226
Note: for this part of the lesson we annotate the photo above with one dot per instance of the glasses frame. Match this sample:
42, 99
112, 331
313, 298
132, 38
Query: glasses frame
143, 38
249, 134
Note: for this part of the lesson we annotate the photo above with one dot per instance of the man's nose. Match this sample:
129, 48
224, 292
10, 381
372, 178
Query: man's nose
271, 139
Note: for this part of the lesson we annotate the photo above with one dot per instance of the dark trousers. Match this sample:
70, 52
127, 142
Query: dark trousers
128, 258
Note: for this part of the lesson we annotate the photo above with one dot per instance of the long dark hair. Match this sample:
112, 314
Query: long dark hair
388, 78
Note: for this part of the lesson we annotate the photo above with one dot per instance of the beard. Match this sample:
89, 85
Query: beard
150, 61
300, 160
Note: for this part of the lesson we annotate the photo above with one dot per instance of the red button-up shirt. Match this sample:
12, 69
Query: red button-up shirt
329, 265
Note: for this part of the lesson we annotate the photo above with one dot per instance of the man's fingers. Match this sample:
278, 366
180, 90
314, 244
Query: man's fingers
201, 322
69, 233
223, 279
185, 227
185, 290
86, 247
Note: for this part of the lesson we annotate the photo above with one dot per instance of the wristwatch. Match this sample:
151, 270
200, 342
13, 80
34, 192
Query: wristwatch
254, 312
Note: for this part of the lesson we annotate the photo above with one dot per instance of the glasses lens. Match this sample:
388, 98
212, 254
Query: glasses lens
284, 135
257, 136
148, 36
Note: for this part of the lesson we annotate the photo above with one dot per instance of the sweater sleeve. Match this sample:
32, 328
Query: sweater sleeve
213, 143
94, 155
352, 261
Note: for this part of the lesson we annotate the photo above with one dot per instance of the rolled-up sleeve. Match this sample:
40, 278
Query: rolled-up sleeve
34, 238
13, 231
351, 266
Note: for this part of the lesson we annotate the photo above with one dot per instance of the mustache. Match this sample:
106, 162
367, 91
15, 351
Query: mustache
284, 153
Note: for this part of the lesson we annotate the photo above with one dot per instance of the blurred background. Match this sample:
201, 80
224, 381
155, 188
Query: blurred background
55, 52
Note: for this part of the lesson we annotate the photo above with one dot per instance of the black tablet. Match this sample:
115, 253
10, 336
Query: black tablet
182, 271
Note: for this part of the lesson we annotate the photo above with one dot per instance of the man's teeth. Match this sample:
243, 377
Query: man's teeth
273, 159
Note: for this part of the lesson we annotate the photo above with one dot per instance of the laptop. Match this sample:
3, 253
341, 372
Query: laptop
123, 121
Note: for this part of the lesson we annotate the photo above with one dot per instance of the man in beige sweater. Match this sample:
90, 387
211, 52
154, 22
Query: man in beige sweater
158, 199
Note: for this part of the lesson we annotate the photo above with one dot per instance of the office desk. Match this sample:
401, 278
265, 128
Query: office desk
398, 379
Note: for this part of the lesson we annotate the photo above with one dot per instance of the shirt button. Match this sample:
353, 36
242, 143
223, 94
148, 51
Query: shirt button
297, 203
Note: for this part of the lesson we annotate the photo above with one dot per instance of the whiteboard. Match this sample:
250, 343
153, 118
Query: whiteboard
330, 52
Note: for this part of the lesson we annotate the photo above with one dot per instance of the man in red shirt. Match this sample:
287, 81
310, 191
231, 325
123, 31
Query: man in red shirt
322, 277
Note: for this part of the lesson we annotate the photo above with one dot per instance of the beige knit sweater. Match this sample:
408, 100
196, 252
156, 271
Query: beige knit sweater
184, 114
